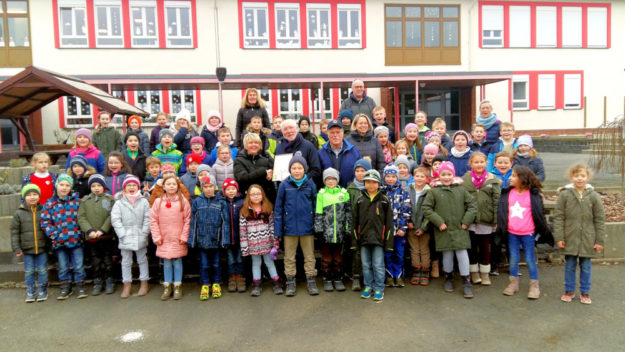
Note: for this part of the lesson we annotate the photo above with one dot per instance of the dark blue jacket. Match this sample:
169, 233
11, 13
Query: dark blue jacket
446, 142
183, 141
484, 147
234, 207
210, 139
460, 164
294, 213
492, 134
307, 150
183, 167
344, 163
535, 164
213, 155
210, 222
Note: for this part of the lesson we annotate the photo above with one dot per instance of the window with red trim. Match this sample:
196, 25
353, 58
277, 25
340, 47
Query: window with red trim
547, 90
144, 24
290, 24
530, 24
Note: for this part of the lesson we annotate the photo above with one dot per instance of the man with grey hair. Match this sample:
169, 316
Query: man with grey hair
358, 101
293, 142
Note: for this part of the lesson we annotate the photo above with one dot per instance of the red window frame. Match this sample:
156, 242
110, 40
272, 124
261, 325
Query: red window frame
304, 21
533, 89
160, 15
558, 5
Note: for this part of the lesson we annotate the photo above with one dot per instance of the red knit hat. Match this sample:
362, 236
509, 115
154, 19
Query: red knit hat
135, 117
230, 182
194, 158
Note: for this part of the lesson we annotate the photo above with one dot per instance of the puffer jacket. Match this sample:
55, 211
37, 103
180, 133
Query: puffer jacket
535, 164
344, 163
210, 138
210, 222
369, 146
354, 193
182, 139
416, 202
252, 169
454, 206
107, 140
487, 198
94, 214
171, 227
461, 164
400, 201
144, 142
131, 223
26, 234
59, 220
213, 155
244, 116
234, 208
115, 182
372, 221
579, 221
223, 171
92, 155
542, 232
190, 182
295, 208
311, 137
333, 215
170, 155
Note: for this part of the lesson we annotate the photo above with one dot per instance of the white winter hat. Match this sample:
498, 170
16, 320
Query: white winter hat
184, 114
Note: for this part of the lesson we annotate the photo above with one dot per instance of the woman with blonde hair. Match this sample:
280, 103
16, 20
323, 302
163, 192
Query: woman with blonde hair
369, 146
251, 105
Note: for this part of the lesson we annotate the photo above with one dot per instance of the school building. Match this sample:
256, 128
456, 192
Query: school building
545, 65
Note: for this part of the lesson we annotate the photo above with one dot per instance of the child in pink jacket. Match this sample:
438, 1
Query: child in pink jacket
170, 220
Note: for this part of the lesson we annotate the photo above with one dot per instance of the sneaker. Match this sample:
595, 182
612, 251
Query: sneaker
327, 286
366, 293
82, 291
66, 291
389, 282
399, 282
494, 272
378, 296
42, 295
567, 296
339, 286
416, 276
216, 290
205, 293
30, 295
585, 298
356, 284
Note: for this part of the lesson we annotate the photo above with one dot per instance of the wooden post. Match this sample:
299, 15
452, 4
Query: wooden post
605, 110
585, 111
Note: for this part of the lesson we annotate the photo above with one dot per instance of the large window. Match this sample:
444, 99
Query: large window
350, 26
572, 91
180, 99
178, 22
546, 26
327, 104
422, 35
73, 23
290, 103
14, 34
144, 24
547, 90
255, 25
319, 27
149, 101
108, 23
287, 25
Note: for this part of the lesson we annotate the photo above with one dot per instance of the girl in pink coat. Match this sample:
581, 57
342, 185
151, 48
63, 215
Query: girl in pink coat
170, 220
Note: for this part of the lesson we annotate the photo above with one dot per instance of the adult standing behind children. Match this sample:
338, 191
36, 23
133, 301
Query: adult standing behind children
489, 119
105, 137
252, 166
358, 101
251, 105
294, 142
339, 154
369, 146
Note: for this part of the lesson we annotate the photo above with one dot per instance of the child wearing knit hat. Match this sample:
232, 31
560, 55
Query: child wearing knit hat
134, 127
190, 178
411, 136
400, 203
354, 189
166, 150
526, 155
234, 200
29, 242
388, 149
460, 153
86, 149
197, 148
80, 172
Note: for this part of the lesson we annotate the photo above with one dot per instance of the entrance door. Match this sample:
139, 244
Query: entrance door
444, 103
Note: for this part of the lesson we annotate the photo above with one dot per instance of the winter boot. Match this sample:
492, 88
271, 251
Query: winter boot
290, 287
356, 283
513, 286
484, 270
389, 282
277, 286
425, 277
82, 292
467, 288
327, 285
311, 286
97, 287
178, 290
435, 269
144, 288
42, 295
256, 289
31, 294
66, 291
109, 286
416, 275
241, 284
475, 275
534, 291
166, 292
232, 283
399, 282
338, 284
126, 291
449, 282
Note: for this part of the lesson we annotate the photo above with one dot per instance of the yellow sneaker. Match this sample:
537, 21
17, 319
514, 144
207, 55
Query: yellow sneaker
216, 290
204, 294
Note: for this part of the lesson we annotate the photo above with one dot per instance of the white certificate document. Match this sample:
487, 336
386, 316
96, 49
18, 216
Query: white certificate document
281, 166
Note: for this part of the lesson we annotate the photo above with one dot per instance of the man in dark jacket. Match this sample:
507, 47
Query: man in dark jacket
339, 154
293, 142
358, 101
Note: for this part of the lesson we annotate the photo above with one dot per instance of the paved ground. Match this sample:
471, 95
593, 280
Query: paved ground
411, 318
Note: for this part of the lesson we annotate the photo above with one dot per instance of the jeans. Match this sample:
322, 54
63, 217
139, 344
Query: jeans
75, 254
235, 260
142, 260
373, 266
38, 263
463, 261
394, 260
209, 259
570, 268
257, 261
172, 268
515, 242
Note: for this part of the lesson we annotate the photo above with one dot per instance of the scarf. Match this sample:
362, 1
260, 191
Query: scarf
523, 155
213, 129
132, 154
478, 180
388, 154
359, 185
300, 182
289, 147
488, 122
132, 198
459, 154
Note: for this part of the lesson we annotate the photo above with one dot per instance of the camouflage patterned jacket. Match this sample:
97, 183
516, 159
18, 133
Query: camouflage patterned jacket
333, 214
400, 201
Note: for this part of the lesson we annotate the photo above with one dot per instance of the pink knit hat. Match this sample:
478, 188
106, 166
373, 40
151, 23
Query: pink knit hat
409, 126
83, 132
447, 166
131, 179
430, 148
197, 139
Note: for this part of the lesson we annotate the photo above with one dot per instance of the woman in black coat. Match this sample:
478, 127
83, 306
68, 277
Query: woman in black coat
253, 166
251, 105
363, 139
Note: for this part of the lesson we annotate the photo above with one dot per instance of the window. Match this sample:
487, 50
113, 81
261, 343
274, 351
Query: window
14, 34
287, 26
265, 95
149, 101
73, 24
520, 92
492, 26
546, 26
520, 27
572, 26
327, 104
108, 23
256, 32
290, 103
572, 91
422, 35
178, 22
597, 27
183, 99
143, 24
546, 91
349, 26
77, 112
319, 28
